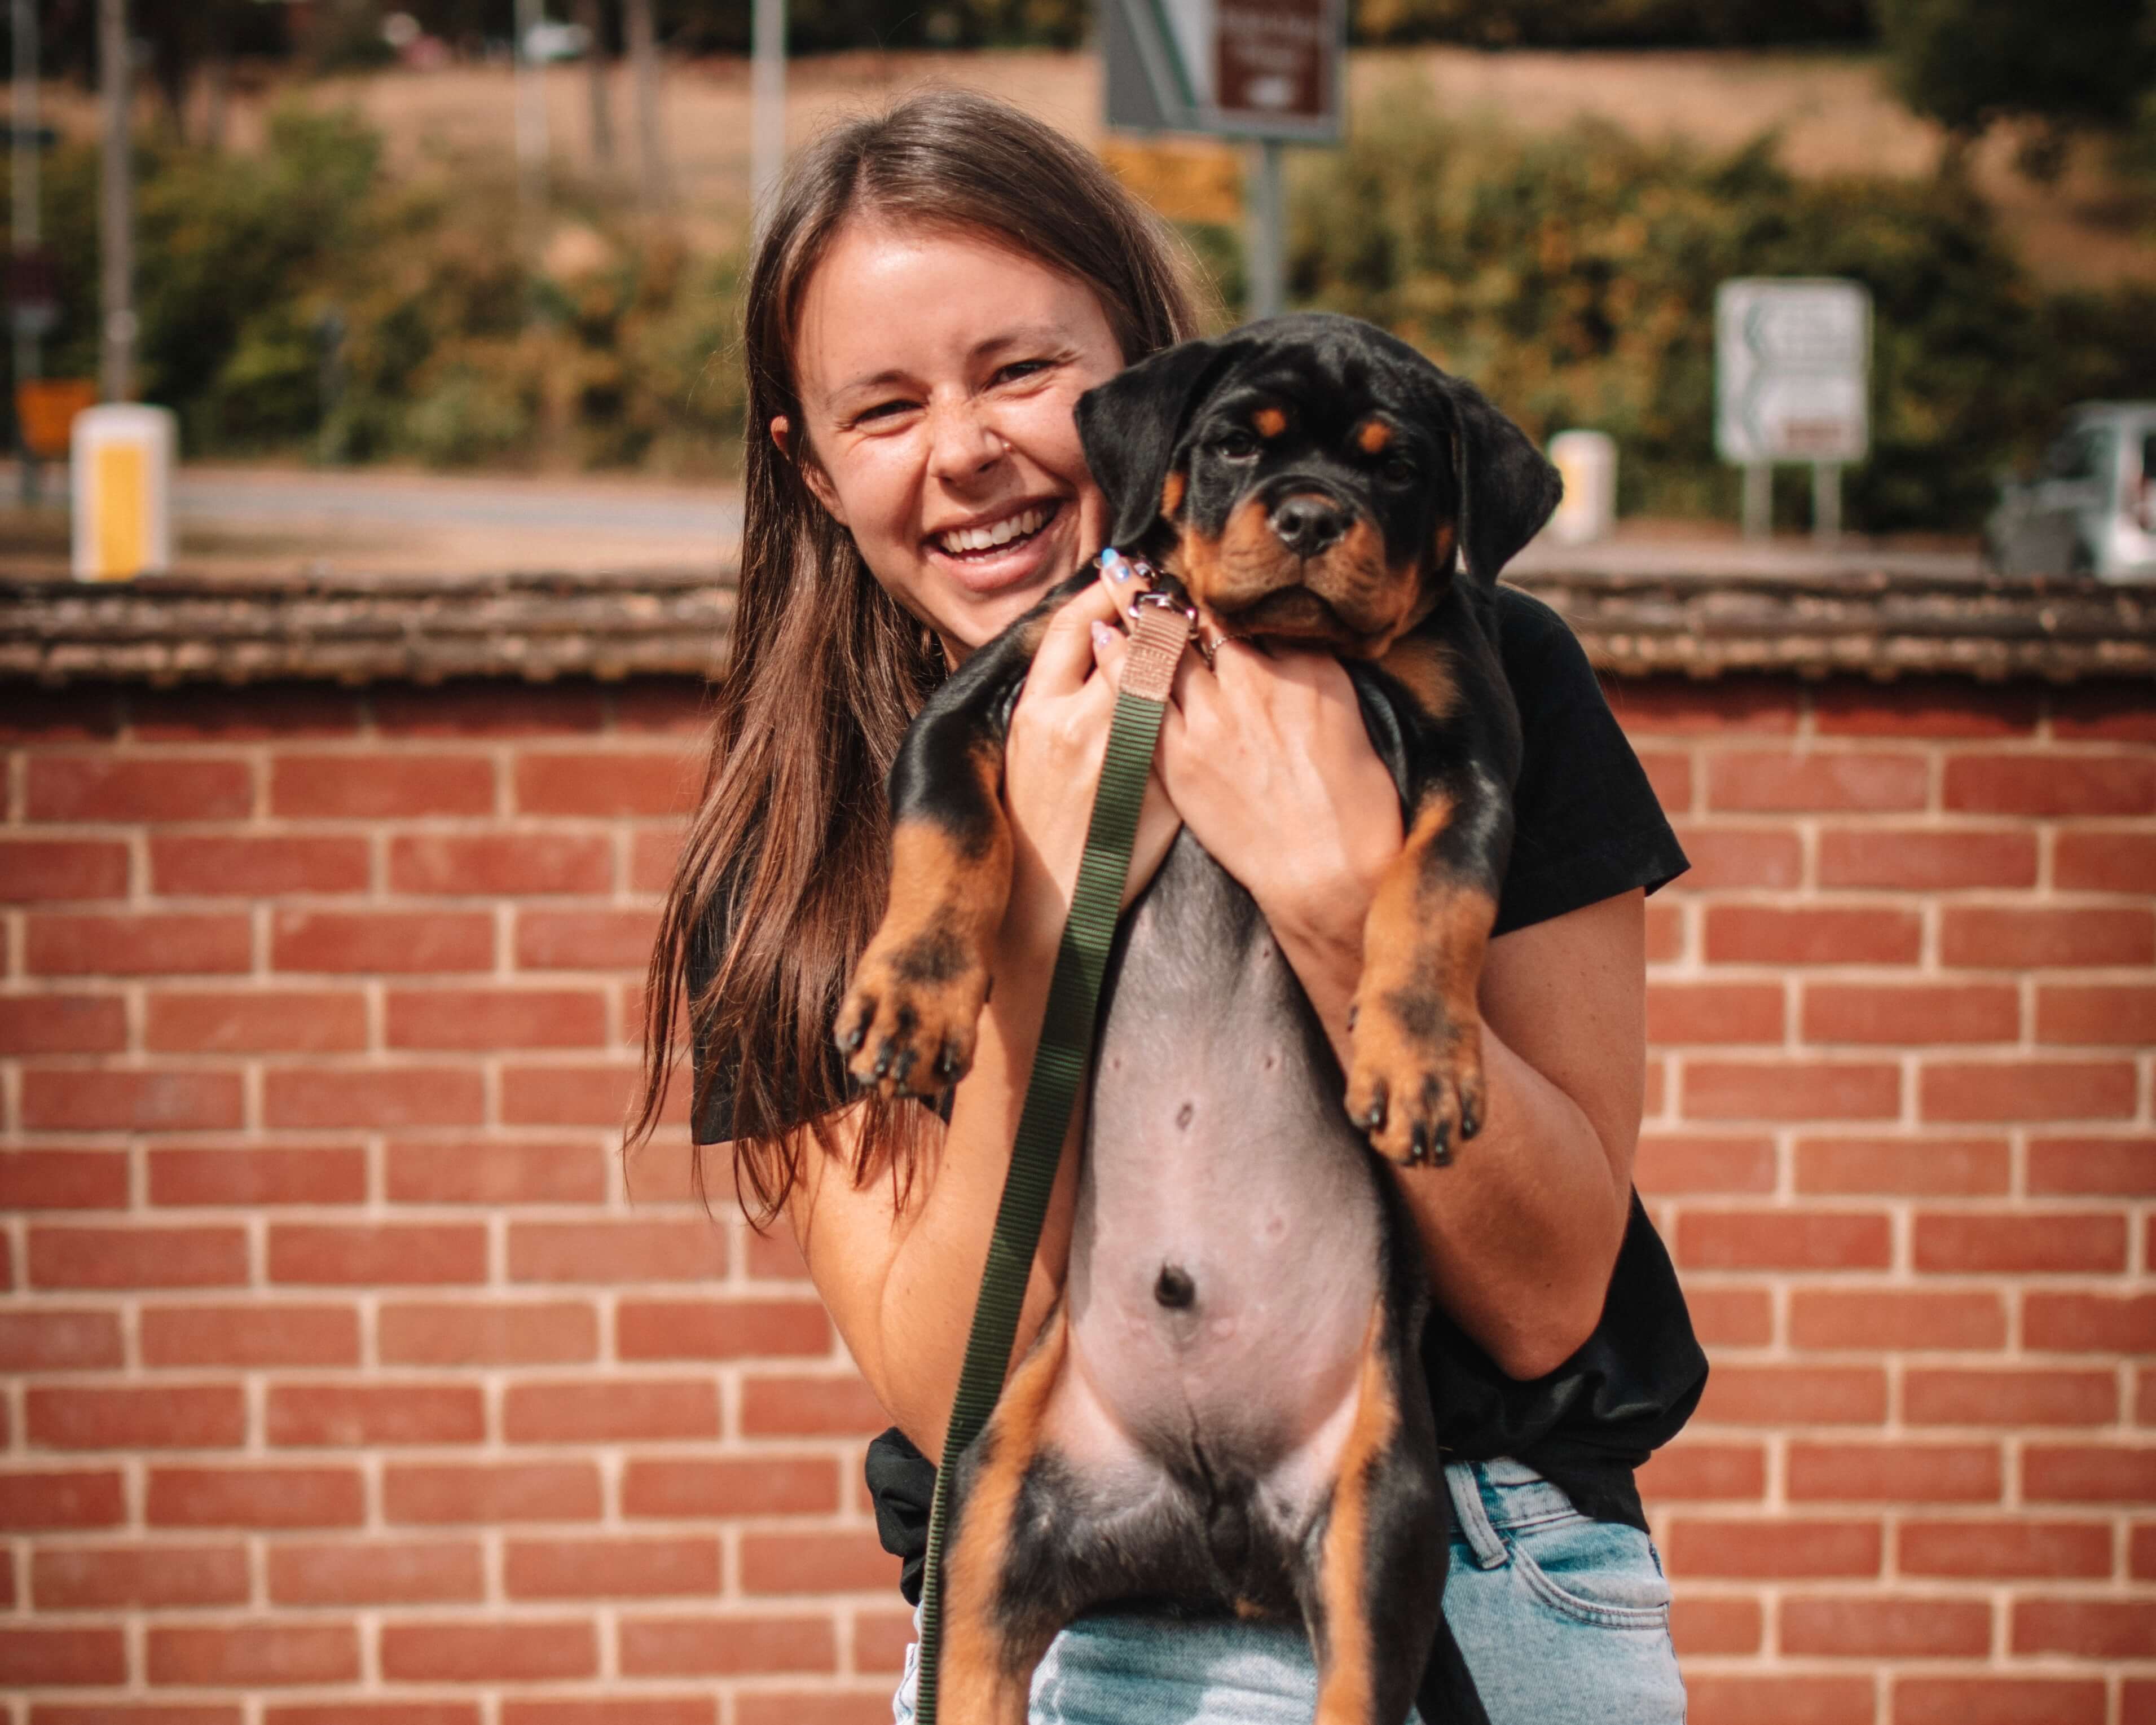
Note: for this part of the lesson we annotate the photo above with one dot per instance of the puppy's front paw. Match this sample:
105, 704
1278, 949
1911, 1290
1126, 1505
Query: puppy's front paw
906, 1025
1415, 1082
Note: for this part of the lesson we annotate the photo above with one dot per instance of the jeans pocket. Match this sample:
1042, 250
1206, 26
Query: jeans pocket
1602, 1573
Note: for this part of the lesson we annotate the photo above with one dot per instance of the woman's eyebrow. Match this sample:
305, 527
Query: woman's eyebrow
1035, 335
890, 377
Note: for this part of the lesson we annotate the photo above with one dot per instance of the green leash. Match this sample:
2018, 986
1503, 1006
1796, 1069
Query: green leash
1162, 625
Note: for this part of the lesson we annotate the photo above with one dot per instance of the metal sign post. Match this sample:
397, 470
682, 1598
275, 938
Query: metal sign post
33, 302
1271, 71
116, 202
531, 142
1792, 373
766, 104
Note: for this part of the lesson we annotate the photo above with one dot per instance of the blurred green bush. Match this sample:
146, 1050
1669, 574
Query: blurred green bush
1572, 275
299, 298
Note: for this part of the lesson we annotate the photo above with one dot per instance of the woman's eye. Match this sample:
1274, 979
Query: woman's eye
1239, 446
882, 410
1018, 370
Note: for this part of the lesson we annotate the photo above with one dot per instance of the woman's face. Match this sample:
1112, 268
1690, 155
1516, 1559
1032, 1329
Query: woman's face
937, 374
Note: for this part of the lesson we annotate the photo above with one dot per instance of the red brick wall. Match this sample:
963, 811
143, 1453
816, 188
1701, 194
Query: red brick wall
343, 1368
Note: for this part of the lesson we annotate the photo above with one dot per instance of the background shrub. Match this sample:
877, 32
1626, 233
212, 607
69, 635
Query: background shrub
299, 299
1573, 276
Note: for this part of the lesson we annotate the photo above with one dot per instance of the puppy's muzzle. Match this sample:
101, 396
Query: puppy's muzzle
1307, 522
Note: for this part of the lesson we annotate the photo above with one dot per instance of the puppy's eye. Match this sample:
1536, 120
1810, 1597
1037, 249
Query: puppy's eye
1398, 471
1239, 446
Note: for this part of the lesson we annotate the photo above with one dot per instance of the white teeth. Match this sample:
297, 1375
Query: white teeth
1002, 532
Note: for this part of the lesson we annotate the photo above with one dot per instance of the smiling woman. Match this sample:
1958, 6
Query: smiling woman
936, 288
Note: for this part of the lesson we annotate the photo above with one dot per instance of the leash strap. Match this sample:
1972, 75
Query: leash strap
1160, 627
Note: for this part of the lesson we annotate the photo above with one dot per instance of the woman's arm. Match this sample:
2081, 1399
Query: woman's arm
900, 1279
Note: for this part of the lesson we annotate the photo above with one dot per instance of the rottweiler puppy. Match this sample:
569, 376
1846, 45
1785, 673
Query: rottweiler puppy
1227, 1407
1308, 480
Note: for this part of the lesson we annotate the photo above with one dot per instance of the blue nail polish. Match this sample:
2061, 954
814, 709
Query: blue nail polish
1111, 560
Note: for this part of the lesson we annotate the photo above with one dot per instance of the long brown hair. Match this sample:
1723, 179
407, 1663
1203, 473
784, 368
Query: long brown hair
782, 879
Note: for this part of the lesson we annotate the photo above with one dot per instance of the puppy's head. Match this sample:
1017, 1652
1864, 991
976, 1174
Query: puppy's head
1312, 478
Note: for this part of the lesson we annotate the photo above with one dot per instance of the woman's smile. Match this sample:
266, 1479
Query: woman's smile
995, 552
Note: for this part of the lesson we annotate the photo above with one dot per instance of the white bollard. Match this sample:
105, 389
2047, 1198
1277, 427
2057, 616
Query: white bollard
122, 458
1587, 461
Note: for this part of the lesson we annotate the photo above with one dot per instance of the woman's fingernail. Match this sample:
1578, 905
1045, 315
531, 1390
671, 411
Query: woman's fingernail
1103, 634
1111, 560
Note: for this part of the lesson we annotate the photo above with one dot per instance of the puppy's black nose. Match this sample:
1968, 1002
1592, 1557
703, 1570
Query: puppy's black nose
1307, 524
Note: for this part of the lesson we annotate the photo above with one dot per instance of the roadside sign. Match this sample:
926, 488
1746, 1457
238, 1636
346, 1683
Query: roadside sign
1792, 370
45, 412
121, 469
1269, 69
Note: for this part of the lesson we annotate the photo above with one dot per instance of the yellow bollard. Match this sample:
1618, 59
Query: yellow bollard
122, 463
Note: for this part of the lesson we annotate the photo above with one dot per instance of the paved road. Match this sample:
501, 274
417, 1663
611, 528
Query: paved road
234, 518
376, 500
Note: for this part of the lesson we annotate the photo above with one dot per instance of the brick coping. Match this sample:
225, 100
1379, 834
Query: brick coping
539, 627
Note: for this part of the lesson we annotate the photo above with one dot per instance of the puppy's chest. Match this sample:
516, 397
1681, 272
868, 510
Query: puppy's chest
1228, 1245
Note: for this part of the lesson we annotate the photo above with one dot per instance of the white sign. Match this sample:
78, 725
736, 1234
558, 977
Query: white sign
1792, 370
1246, 69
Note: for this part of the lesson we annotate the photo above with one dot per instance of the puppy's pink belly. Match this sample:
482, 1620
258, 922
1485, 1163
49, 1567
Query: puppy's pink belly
1247, 1374
1226, 1255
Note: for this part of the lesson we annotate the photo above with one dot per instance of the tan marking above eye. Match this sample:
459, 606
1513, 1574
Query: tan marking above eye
1269, 422
1171, 493
1373, 437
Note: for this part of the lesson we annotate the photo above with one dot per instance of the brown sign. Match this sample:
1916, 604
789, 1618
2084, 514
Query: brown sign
45, 410
1273, 57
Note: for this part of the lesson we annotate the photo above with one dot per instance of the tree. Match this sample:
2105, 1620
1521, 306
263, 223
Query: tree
2066, 66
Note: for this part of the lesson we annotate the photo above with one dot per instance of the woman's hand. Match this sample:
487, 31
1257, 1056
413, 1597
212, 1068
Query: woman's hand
1058, 737
1265, 758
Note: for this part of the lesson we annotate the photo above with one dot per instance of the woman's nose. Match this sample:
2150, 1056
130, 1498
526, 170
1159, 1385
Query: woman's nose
963, 443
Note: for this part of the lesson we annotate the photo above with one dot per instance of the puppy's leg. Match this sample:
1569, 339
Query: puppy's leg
907, 1023
1373, 1589
992, 1635
1416, 1082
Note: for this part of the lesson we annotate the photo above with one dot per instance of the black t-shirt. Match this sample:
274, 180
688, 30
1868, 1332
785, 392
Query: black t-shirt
1586, 827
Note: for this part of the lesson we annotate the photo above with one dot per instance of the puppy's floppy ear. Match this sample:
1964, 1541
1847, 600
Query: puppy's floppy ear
1506, 488
1130, 425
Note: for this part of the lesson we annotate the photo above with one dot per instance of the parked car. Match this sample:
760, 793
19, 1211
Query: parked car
2091, 508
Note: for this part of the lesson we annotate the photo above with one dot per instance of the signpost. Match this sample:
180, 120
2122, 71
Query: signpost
1271, 71
1792, 370
33, 291
116, 204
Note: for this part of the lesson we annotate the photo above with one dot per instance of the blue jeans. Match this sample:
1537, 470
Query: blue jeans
1562, 1620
